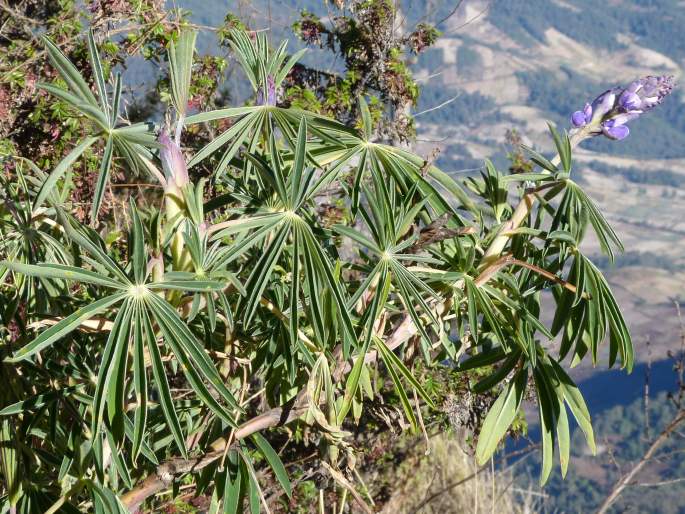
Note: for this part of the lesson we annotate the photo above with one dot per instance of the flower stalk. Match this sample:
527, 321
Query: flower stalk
522, 210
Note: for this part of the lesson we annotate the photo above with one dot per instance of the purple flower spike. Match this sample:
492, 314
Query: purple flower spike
173, 163
613, 131
613, 109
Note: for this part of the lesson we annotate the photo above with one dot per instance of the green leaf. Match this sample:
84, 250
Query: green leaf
232, 492
37, 401
62, 272
367, 124
119, 462
563, 147
500, 417
139, 260
219, 114
196, 285
296, 190
548, 407
159, 375
103, 180
574, 399
65, 326
197, 364
51, 182
115, 351
237, 134
324, 268
401, 392
86, 109
399, 365
98, 74
140, 384
275, 462
352, 383
357, 237
69, 73
487, 357
261, 273
540, 160
180, 68
500, 374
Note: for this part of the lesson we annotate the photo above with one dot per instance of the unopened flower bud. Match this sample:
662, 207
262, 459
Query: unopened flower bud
173, 162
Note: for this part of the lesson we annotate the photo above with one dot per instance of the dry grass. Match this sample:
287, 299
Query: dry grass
426, 484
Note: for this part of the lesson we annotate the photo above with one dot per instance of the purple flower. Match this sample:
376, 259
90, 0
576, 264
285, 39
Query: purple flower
173, 163
582, 118
614, 130
578, 119
613, 109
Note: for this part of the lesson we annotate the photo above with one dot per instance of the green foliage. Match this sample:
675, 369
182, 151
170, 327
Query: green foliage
208, 318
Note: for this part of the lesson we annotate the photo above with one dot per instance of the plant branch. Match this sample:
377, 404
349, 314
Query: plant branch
520, 213
167, 471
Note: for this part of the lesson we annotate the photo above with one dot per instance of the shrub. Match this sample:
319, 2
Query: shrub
313, 278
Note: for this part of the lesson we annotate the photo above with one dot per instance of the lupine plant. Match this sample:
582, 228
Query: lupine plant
314, 272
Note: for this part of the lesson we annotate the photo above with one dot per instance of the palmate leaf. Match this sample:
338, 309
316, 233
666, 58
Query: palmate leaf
132, 323
127, 141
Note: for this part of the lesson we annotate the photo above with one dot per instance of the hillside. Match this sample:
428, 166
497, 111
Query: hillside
517, 64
